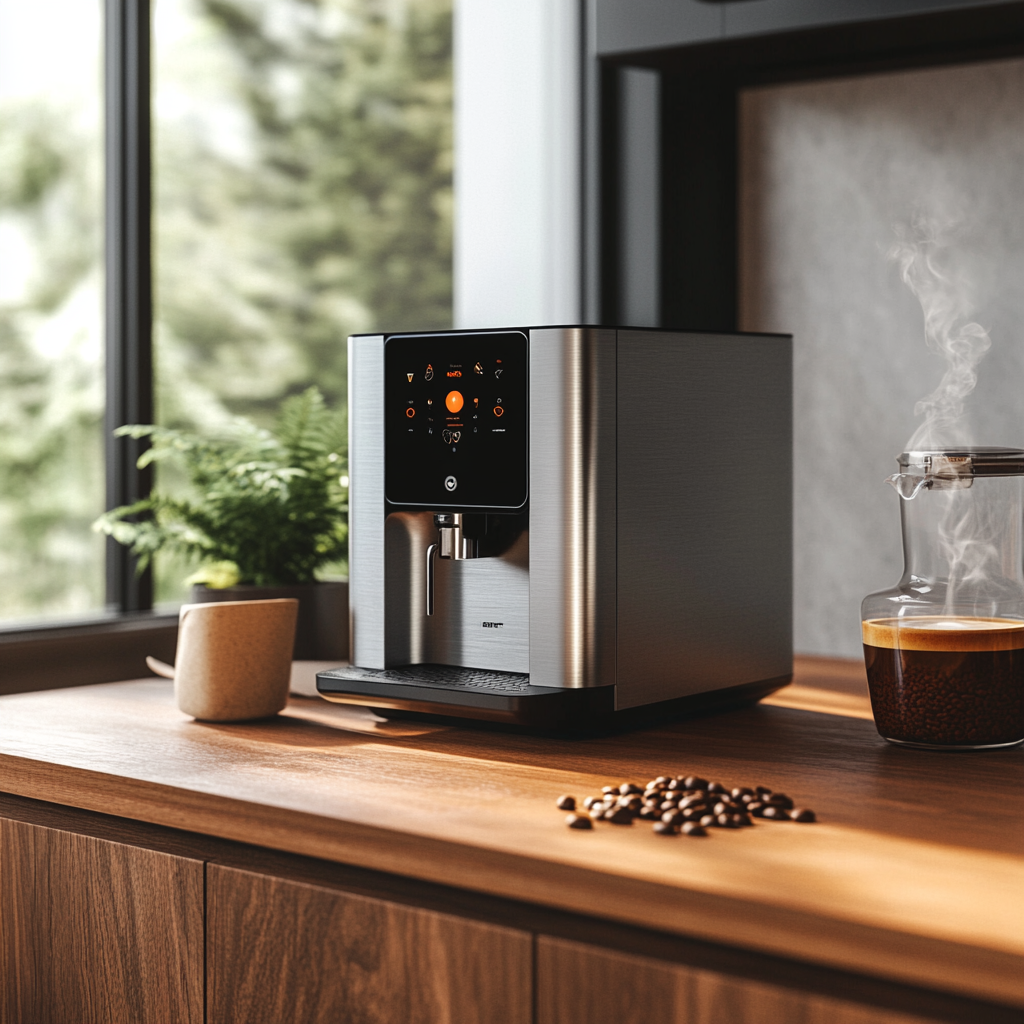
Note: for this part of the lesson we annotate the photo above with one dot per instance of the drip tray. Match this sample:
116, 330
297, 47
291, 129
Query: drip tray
464, 693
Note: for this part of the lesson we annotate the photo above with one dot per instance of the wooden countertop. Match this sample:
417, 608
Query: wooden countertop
915, 870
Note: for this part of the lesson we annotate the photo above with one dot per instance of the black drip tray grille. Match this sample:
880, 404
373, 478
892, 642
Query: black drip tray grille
450, 690
442, 677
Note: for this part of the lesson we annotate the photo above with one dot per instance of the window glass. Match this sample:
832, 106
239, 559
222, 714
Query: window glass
51, 308
303, 193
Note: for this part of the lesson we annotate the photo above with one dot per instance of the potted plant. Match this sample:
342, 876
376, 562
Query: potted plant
269, 510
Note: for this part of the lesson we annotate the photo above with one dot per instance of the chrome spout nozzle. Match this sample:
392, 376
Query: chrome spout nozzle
451, 542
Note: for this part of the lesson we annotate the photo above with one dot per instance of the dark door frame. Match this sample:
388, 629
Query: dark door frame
713, 50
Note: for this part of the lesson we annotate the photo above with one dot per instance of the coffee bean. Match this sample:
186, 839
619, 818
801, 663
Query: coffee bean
683, 803
619, 816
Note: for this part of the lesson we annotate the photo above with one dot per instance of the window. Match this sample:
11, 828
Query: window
51, 308
297, 159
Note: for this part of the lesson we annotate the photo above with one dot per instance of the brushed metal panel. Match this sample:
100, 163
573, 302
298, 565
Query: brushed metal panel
366, 499
704, 512
572, 511
467, 594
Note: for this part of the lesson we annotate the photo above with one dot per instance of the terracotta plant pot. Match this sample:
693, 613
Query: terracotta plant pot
322, 630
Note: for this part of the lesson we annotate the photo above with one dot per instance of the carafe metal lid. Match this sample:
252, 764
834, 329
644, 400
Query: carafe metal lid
956, 463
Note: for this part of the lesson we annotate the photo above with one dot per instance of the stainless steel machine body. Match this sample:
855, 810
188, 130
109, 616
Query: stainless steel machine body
605, 526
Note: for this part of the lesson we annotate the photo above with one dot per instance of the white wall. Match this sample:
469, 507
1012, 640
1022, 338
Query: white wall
517, 162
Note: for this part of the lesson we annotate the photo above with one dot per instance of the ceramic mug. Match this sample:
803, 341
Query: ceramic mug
233, 659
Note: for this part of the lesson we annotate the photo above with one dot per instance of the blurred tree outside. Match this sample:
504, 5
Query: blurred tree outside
51, 315
303, 192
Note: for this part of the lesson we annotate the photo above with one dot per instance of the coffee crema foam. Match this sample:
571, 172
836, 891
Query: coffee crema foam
944, 633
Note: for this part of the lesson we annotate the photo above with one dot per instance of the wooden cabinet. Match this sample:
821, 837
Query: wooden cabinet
288, 951
582, 984
95, 931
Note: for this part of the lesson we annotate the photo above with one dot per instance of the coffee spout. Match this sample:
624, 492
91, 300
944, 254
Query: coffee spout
907, 485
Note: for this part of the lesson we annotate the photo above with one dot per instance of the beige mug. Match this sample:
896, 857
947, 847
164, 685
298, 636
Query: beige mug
233, 660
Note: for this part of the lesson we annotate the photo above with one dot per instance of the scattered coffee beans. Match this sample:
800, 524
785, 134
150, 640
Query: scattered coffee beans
684, 804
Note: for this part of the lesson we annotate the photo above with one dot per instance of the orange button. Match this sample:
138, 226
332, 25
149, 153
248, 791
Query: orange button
453, 401
498, 411
410, 412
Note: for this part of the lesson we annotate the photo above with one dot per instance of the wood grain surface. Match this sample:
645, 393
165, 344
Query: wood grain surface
581, 984
915, 871
94, 931
287, 951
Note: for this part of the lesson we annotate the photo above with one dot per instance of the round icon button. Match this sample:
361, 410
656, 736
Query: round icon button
453, 401
499, 411
410, 412
450, 483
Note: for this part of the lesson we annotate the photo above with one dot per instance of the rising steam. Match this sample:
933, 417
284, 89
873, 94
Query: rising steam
945, 299
966, 529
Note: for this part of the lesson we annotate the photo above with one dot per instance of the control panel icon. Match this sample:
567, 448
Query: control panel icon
450, 483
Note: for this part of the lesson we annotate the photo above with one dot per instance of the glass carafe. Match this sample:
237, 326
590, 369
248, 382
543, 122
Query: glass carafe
944, 648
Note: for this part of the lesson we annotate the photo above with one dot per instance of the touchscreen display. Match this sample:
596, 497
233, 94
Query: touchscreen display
456, 420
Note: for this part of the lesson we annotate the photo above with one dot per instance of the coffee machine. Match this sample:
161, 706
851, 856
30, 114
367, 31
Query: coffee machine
566, 526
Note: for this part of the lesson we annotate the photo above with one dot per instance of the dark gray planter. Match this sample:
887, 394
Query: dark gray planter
322, 630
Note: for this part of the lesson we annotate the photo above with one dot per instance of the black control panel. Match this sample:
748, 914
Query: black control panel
456, 420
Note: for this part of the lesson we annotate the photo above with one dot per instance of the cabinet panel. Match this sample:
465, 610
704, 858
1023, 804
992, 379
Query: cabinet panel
581, 984
95, 931
280, 950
